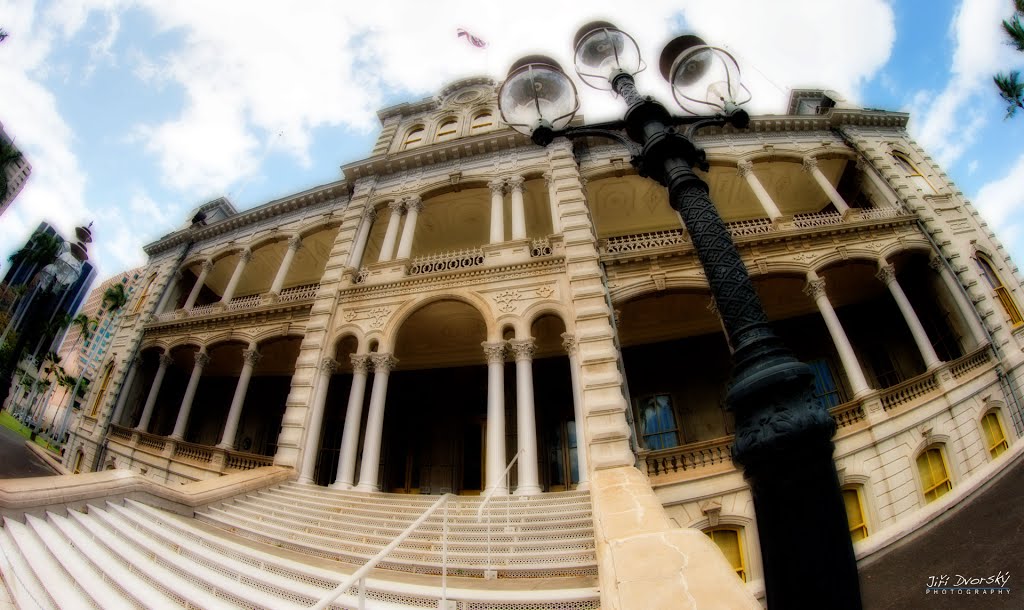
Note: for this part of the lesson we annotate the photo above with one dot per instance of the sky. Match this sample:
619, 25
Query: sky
134, 112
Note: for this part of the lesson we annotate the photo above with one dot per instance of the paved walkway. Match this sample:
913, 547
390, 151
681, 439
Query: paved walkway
983, 538
16, 460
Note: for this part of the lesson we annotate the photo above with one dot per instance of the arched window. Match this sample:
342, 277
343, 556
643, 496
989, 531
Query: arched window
995, 437
102, 391
447, 130
658, 422
482, 122
414, 138
931, 465
730, 542
988, 271
855, 513
910, 171
78, 462
145, 293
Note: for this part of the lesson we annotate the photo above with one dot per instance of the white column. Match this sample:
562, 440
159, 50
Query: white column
250, 358
294, 243
413, 205
582, 461
556, 224
201, 360
746, 171
192, 296
353, 418
122, 398
883, 187
887, 274
316, 420
526, 426
365, 225
811, 166
967, 311
815, 289
387, 250
382, 365
496, 455
497, 210
168, 291
154, 390
515, 185
243, 258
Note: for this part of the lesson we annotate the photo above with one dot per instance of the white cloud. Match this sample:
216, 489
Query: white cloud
1000, 201
980, 52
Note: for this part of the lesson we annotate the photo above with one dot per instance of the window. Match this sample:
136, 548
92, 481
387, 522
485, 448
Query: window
988, 271
825, 387
855, 513
414, 138
447, 130
728, 541
995, 438
145, 293
911, 171
931, 465
481, 122
103, 390
658, 422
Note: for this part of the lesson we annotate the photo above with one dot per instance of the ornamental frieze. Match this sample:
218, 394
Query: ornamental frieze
516, 299
371, 318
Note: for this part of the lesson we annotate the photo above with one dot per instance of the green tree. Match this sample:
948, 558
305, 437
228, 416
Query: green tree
9, 155
3, 34
1009, 85
115, 297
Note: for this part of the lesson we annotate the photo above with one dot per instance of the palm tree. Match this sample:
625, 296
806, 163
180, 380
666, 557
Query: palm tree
1010, 87
9, 155
3, 35
114, 297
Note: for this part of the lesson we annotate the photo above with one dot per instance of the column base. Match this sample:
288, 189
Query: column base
584, 486
367, 488
225, 446
306, 480
499, 490
341, 485
527, 490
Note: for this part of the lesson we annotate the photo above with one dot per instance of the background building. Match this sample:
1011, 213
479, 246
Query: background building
463, 297
16, 170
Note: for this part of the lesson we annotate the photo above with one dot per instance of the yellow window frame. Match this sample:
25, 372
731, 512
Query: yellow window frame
934, 471
995, 436
718, 535
852, 498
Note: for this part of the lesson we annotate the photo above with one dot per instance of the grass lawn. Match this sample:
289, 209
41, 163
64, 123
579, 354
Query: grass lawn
8, 421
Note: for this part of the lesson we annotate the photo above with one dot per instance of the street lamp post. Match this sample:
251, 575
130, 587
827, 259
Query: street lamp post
783, 436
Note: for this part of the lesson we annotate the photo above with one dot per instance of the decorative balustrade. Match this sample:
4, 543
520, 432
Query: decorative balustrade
124, 434
755, 226
246, 302
202, 310
152, 441
165, 317
963, 365
908, 391
644, 241
447, 261
882, 213
191, 451
689, 457
298, 293
540, 247
237, 460
847, 413
818, 219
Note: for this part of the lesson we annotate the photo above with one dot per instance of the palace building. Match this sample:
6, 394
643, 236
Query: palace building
463, 298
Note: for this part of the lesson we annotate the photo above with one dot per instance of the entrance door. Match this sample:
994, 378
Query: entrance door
473, 457
563, 469
405, 474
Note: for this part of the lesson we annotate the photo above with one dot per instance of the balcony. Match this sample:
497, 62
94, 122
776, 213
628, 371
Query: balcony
290, 297
184, 461
696, 460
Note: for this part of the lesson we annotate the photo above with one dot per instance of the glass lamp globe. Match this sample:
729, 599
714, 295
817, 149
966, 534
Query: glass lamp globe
603, 51
537, 94
704, 78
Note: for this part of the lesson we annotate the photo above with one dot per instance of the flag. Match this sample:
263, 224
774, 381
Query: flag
471, 39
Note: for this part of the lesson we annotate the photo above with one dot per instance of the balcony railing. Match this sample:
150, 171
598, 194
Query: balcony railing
205, 457
295, 294
645, 241
447, 261
849, 415
810, 221
755, 226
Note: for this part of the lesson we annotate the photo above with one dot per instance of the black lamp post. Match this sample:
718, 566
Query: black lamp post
783, 432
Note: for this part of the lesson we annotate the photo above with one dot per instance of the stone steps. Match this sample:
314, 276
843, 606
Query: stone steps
129, 555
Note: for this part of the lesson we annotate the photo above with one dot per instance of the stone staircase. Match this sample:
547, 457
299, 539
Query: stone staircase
289, 545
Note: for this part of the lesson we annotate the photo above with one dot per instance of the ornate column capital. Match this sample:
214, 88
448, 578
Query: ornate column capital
360, 363
135, 361
179, 274
414, 204
815, 288
809, 164
886, 273
497, 186
495, 352
202, 359
294, 243
523, 349
745, 168
935, 262
251, 357
328, 365
515, 183
207, 265
570, 343
245, 255
397, 207
549, 179
383, 363
370, 213
166, 360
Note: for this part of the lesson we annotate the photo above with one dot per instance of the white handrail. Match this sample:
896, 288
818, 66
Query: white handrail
490, 492
361, 573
